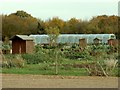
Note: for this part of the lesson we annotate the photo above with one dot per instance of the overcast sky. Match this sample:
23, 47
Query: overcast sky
64, 9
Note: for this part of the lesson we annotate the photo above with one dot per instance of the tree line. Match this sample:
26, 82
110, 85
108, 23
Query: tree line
23, 23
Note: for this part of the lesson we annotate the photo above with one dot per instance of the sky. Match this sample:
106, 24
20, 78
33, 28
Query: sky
64, 9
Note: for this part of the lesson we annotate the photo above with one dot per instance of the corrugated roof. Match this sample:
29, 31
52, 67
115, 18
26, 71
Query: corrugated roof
23, 37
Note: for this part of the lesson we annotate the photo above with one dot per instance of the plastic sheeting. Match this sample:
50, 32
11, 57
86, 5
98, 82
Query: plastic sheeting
73, 38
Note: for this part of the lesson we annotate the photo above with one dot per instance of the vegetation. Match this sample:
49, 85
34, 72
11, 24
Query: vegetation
53, 34
10, 61
23, 23
42, 69
70, 61
100, 60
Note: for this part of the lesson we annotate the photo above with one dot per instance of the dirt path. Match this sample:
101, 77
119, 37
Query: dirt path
44, 81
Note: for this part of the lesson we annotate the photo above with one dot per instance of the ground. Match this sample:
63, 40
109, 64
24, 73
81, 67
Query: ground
45, 81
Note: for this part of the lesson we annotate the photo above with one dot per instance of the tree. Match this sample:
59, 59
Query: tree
71, 26
82, 27
53, 33
21, 22
18, 23
22, 14
55, 22
41, 26
104, 24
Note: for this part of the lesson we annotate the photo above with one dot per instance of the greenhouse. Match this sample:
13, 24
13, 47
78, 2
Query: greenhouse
73, 38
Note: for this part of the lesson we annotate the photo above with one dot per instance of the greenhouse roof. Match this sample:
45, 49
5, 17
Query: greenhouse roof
73, 38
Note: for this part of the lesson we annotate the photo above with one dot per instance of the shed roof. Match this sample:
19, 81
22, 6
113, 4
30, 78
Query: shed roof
97, 39
23, 37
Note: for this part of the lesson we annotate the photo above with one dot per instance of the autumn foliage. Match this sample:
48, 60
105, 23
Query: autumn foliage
23, 23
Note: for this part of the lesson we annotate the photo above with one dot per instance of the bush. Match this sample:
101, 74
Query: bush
37, 48
28, 58
12, 61
77, 54
103, 68
66, 67
49, 47
36, 58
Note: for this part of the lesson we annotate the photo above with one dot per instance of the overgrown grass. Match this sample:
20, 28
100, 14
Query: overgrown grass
44, 69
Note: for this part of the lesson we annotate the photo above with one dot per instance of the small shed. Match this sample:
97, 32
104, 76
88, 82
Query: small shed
22, 44
97, 41
113, 42
82, 43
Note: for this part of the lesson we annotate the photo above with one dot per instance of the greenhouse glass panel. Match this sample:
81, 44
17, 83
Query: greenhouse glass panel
106, 37
90, 38
73, 38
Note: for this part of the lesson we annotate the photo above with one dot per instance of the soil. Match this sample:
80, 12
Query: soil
46, 81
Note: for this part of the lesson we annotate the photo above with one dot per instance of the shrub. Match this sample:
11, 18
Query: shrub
31, 58
103, 68
111, 65
36, 58
37, 48
12, 61
65, 66
18, 61
77, 54
49, 47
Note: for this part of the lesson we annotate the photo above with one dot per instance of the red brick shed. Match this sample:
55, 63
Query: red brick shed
113, 42
82, 43
22, 44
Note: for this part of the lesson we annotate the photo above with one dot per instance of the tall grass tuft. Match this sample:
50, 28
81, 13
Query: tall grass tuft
12, 61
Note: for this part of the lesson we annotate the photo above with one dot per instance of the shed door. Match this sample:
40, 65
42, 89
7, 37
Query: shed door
20, 50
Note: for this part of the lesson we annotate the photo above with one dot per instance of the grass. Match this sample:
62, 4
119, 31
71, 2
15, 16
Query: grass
45, 70
65, 67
